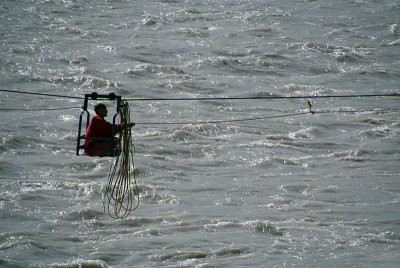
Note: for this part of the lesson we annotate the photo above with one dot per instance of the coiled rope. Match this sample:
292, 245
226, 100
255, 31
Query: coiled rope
122, 188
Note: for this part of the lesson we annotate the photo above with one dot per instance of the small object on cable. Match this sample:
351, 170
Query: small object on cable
309, 107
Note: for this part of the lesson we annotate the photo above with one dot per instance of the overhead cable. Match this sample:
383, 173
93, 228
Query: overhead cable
38, 109
395, 94
41, 94
266, 97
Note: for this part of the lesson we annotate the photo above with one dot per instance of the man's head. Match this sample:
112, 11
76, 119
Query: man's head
101, 110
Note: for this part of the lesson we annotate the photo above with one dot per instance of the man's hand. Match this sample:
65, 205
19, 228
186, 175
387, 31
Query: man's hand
131, 124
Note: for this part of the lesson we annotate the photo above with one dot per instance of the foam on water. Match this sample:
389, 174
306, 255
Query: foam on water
306, 190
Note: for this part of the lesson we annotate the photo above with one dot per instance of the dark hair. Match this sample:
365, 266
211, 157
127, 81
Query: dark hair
99, 106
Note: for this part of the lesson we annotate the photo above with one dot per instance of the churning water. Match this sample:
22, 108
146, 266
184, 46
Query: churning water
306, 190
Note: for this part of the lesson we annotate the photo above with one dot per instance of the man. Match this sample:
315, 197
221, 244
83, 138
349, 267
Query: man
100, 128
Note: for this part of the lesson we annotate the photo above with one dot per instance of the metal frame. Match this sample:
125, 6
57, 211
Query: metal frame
95, 96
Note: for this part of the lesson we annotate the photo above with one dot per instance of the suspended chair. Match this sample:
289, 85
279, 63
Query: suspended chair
114, 141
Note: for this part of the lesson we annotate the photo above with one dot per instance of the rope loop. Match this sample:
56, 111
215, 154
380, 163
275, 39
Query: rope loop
122, 193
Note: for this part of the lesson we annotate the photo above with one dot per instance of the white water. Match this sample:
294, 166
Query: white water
312, 190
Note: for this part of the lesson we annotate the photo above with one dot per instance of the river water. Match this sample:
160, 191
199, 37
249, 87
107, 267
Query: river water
311, 190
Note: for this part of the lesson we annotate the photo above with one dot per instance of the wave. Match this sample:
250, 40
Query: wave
264, 64
191, 32
180, 256
89, 81
232, 251
23, 145
387, 237
300, 89
394, 43
159, 197
380, 73
264, 227
77, 60
200, 133
23, 242
83, 214
340, 53
296, 188
358, 155
80, 263
193, 87
260, 32
151, 69
189, 257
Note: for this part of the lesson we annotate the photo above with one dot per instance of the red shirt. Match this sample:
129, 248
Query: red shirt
100, 128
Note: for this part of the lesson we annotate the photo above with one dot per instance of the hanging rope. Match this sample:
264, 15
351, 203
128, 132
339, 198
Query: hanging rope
122, 188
